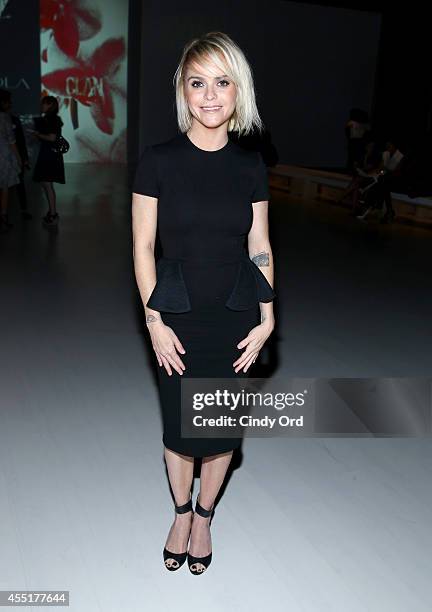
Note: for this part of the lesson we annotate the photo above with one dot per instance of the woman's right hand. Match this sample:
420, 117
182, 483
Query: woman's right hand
165, 345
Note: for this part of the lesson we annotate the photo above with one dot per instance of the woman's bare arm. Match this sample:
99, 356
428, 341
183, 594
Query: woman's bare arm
261, 254
144, 224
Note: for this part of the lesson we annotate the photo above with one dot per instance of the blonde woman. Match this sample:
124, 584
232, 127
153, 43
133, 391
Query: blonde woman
208, 299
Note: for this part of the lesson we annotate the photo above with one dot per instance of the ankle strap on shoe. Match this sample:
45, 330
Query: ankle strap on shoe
187, 507
202, 511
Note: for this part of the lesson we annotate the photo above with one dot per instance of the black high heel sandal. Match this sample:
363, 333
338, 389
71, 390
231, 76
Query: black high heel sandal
178, 558
203, 560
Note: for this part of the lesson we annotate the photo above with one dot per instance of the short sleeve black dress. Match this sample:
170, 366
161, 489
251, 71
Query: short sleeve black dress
208, 289
49, 165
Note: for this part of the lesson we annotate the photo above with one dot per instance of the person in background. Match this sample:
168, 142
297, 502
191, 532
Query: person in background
363, 175
355, 130
49, 167
6, 106
10, 165
391, 156
390, 169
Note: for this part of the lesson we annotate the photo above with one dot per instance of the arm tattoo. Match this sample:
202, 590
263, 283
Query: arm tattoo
151, 318
261, 259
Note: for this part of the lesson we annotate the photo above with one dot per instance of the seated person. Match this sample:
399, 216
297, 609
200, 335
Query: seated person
388, 174
363, 174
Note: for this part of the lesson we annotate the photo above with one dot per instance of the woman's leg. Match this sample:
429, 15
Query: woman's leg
4, 200
387, 197
180, 472
51, 196
22, 195
213, 471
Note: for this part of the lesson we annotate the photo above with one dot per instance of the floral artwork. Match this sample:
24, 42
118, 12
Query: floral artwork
84, 64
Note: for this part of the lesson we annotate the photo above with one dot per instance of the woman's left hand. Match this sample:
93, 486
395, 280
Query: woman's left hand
253, 342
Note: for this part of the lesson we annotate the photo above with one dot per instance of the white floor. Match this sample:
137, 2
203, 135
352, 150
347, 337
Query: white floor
314, 525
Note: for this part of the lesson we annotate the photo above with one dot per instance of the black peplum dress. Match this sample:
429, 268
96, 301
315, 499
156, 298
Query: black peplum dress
208, 289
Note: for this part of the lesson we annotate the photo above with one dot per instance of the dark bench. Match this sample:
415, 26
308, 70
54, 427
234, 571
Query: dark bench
328, 186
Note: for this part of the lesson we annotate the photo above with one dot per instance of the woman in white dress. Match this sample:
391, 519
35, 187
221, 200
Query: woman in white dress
10, 166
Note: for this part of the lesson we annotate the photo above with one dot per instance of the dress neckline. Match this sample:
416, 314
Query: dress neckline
194, 146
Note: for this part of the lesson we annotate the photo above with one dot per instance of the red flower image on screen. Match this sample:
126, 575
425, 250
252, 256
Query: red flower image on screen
89, 82
70, 22
80, 74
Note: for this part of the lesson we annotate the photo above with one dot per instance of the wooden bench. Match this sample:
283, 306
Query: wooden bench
328, 186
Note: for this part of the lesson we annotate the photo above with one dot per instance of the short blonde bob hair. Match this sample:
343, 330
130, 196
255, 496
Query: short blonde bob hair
218, 48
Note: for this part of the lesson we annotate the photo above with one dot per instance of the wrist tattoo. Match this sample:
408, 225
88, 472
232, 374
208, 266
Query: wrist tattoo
261, 259
151, 318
